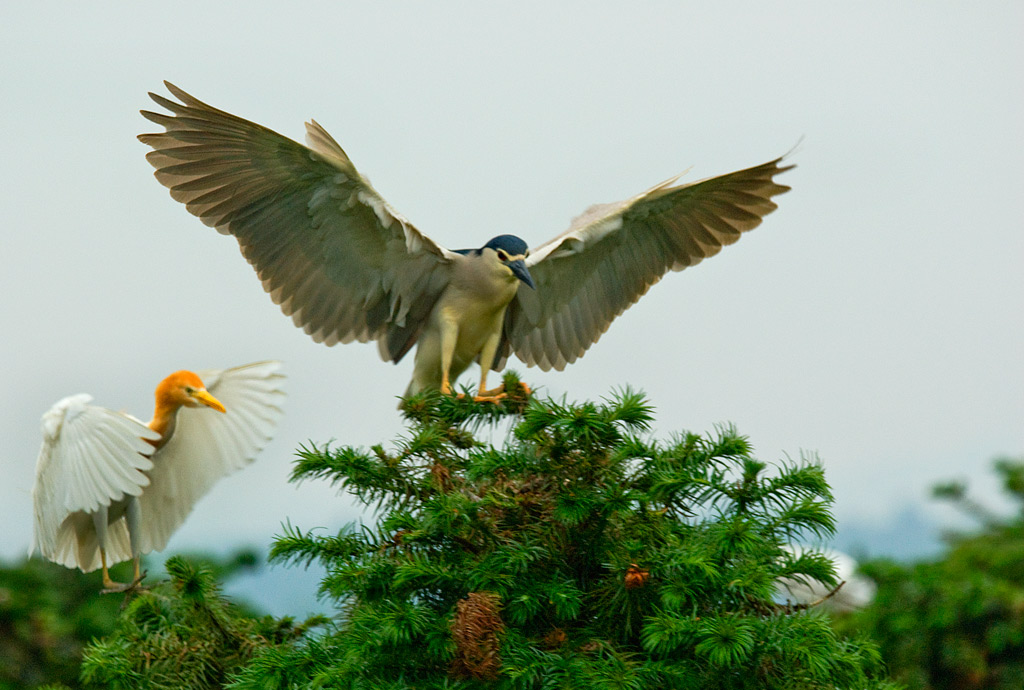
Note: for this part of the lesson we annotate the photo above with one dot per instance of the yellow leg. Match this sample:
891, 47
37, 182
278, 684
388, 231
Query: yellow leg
449, 338
108, 584
138, 576
111, 586
486, 360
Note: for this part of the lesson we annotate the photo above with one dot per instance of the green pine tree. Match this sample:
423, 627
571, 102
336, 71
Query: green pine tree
182, 634
576, 552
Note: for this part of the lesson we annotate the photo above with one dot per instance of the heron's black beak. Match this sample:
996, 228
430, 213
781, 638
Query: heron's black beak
519, 269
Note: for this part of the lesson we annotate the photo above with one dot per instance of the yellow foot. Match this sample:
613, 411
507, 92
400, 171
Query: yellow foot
491, 396
112, 587
499, 393
487, 397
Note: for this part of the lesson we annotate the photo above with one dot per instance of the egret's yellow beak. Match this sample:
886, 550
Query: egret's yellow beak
208, 400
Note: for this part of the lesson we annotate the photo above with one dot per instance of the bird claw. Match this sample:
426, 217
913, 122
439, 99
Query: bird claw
498, 394
491, 396
487, 397
112, 587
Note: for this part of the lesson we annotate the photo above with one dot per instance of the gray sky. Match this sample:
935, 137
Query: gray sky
875, 318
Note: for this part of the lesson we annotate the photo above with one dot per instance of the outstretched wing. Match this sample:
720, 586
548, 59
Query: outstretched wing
207, 445
90, 457
329, 250
614, 253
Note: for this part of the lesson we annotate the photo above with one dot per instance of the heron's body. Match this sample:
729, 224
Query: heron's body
465, 323
346, 266
110, 488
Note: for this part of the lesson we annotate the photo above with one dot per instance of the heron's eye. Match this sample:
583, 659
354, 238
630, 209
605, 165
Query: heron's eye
502, 255
189, 390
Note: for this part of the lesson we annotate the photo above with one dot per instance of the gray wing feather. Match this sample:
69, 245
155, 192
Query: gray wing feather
327, 248
613, 253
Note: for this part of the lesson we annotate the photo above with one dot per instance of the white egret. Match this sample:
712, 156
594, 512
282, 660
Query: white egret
856, 592
109, 487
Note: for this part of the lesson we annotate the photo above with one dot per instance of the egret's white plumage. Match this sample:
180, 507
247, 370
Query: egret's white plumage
206, 447
856, 592
109, 487
346, 266
91, 457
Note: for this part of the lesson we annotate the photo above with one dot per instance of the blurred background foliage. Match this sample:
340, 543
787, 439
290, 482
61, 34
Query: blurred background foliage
48, 614
956, 622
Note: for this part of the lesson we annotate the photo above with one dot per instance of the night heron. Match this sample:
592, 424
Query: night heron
109, 487
346, 266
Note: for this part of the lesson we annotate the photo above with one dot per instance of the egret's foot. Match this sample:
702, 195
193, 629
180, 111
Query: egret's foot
112, 587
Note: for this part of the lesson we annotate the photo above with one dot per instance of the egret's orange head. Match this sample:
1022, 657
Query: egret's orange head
185, 388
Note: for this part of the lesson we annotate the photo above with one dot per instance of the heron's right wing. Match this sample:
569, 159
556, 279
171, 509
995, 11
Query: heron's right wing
90, 457
329, 250
613, 253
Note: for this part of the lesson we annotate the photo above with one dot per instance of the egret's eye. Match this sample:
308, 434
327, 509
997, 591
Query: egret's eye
189, 390
502, 255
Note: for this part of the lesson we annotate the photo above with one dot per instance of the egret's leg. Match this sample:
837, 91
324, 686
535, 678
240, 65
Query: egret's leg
134, 518
99, 521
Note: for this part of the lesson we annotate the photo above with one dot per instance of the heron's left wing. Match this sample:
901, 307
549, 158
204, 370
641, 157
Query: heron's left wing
326, 245
207, 445
613, 253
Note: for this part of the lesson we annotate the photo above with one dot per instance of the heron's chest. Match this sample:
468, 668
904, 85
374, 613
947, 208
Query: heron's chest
473, 310
473, 314
481, 289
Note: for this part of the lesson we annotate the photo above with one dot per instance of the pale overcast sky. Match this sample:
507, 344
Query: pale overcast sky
875, 318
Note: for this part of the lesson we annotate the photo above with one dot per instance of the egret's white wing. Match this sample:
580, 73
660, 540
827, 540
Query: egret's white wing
329, 250
207, 445
613, 253
90, 457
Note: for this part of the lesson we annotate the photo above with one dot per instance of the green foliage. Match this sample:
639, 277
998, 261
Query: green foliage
957, 622
579, 553
47, 615
180, 634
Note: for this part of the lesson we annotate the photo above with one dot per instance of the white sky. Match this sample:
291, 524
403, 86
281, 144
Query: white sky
875, 318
